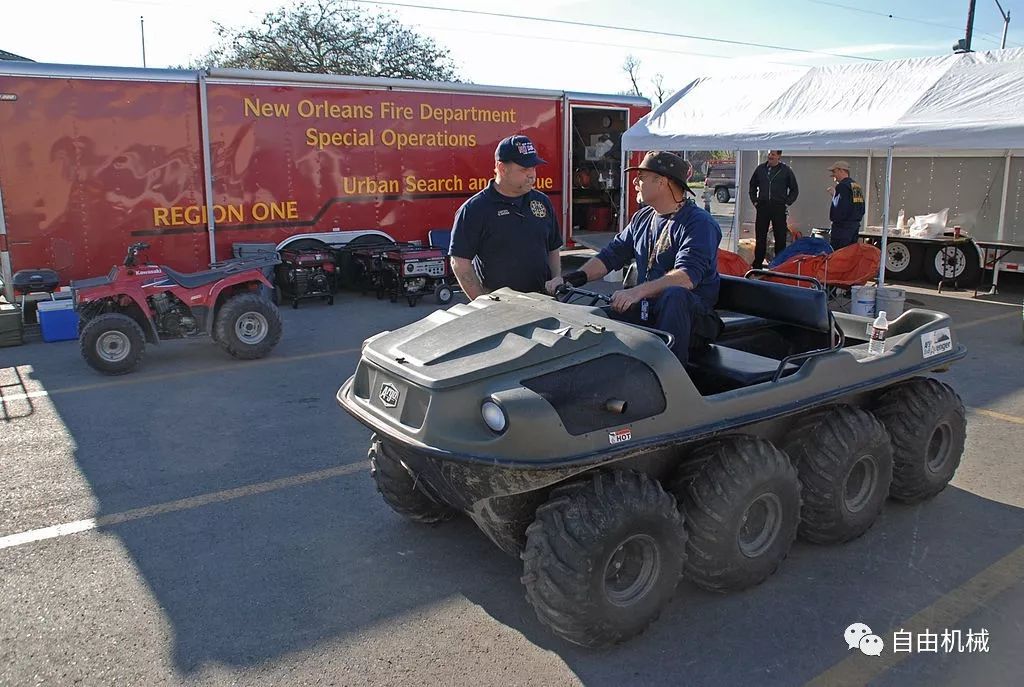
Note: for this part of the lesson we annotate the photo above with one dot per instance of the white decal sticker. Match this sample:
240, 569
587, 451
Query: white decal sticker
934, 343
618, 436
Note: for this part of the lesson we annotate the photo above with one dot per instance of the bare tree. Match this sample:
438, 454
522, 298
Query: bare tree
632, 67
659, 88
331, 37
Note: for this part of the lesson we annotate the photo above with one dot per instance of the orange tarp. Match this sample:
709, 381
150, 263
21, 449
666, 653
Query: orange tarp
849, 266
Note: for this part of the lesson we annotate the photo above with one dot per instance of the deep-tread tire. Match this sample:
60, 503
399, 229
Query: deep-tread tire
844, 460
112, 322
928, 427
736, 473
237, 307
400, 489
621, 520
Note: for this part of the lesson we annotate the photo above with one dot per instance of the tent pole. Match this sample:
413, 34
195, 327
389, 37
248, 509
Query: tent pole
737, 215
885, 216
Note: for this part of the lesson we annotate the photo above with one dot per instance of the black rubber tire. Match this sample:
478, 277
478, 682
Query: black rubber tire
443, 294
928, 427
278, 298
835, 451
735, 473
722, 194
580, 533
112, 322
400, 489
903, 260
966, 271
237, 307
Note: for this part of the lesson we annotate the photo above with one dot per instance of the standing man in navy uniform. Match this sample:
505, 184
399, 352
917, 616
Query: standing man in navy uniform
847, 209
772, 190
509, 228
675, 244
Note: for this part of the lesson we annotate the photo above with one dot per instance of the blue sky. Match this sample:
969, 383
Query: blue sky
518, 52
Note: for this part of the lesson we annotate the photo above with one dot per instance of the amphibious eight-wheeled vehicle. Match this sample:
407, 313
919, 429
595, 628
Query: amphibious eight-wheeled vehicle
582, 445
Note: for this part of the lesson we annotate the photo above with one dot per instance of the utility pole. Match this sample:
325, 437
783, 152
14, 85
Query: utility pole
141, 30
964, 44
1006, 23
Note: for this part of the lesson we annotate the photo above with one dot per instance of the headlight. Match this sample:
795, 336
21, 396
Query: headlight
494, 416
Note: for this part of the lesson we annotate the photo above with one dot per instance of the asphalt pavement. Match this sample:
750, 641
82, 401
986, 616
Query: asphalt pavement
211, 521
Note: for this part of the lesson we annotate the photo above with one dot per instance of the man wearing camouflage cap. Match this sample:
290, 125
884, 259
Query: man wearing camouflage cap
675, 244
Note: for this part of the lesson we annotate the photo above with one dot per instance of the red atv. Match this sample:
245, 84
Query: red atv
139, 302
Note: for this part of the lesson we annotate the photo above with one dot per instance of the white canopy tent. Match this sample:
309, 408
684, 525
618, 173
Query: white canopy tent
950, 102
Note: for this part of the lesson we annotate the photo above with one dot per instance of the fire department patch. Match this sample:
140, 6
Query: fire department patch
538, 209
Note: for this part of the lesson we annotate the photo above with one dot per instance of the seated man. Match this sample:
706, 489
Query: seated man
675, 244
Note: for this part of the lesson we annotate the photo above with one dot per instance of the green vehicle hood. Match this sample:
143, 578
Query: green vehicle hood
491, 336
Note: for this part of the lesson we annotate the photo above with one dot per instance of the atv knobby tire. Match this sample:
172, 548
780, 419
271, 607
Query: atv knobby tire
742, 509
927, 426
112, 343
844, 461
400, 489
603, 557
248, 326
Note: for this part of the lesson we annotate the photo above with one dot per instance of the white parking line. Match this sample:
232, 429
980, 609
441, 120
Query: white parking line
67, 528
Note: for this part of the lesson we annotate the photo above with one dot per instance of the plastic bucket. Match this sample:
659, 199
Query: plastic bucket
890, 300
862, 300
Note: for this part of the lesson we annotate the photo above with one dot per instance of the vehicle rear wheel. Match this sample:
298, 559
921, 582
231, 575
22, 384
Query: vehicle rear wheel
844, 461
958, 262
401, 489
603, 557
112, 343
927, 426
248, 327
722, 194
742, 509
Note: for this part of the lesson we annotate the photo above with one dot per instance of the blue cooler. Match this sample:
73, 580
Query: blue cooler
58, 320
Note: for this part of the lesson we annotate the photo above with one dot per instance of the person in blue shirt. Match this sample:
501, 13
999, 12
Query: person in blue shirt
675, 244
508, 230
847, 209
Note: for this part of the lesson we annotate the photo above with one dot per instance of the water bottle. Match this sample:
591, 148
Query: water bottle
879, 328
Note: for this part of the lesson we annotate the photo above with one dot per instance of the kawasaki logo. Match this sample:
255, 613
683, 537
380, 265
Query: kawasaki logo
389, 395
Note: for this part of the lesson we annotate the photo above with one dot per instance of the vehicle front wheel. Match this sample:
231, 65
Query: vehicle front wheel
844, 461
400, 489
742, 509
112, 343
603, 557
248, 326
928, 428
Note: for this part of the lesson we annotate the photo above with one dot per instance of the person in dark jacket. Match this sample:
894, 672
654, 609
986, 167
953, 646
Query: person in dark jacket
847, 209
773, 189
675, 244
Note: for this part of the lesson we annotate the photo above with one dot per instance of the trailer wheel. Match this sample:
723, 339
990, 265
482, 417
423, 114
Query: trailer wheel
903, 260
722, 194
603, 557
248, 326
844, 461
927, 426
952, 262
400, 488
112, 343
742, 510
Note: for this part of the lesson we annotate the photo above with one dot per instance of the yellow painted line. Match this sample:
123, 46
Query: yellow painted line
945, 613
986, 320
146, 379
999, 416
67, 528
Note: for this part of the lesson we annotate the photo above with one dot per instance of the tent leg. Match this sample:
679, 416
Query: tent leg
885, 216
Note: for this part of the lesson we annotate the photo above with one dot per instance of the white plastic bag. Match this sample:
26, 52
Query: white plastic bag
929, 226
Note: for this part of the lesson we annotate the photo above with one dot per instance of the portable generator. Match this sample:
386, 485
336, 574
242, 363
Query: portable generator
305, 273
404, 271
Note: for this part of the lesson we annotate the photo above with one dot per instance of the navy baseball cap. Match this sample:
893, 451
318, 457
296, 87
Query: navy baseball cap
518, 149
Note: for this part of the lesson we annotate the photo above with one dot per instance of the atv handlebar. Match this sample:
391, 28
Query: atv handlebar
566, 292
133, 251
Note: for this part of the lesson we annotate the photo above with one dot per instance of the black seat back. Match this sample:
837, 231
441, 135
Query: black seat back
795, 305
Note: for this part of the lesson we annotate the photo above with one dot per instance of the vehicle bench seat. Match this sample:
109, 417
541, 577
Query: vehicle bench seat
717, 368
745, 304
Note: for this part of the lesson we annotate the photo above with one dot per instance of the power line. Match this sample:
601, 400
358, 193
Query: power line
620, 28
912, 20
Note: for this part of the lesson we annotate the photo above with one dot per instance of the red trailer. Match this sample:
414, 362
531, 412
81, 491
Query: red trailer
93, 159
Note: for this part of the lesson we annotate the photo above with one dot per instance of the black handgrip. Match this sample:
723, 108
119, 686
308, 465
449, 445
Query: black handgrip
575, 278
